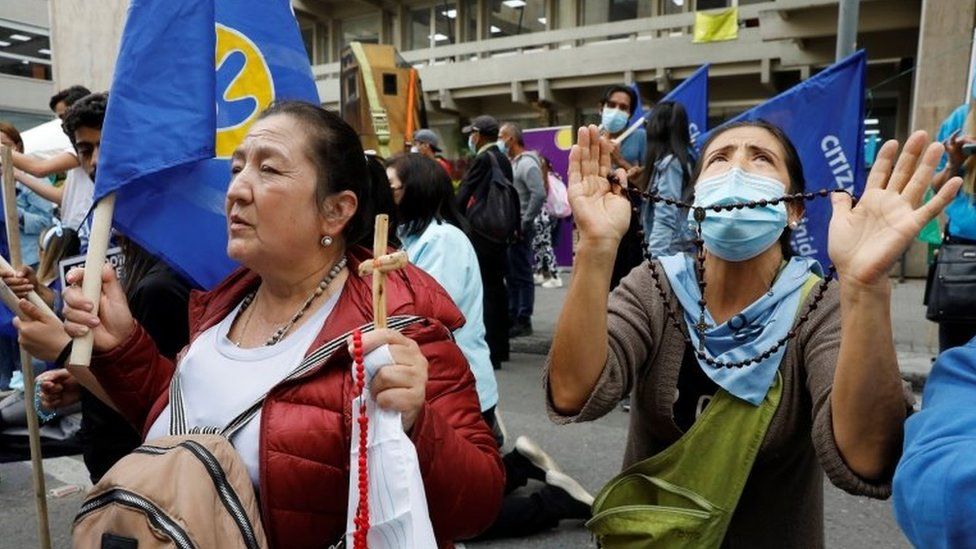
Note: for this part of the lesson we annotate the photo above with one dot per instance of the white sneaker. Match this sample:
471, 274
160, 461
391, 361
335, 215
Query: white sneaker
554, 282
569, 484
538, 279
532, 452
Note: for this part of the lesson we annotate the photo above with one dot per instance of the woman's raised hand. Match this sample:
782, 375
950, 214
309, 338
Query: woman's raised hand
601, 212
114, 322
865, 240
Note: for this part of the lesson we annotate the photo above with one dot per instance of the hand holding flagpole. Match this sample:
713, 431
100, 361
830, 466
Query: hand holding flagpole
91, 286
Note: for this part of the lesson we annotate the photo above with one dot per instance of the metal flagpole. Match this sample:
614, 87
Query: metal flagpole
846, 27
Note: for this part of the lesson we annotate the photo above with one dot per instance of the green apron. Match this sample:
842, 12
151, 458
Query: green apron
684, 496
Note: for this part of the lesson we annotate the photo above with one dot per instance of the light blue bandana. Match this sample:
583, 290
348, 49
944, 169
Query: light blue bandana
748, 334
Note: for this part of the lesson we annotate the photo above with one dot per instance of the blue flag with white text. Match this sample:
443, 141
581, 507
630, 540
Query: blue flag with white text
824, 117
165, 147
693, 96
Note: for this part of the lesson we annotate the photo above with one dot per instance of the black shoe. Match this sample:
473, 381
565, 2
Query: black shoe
520, 328
565, 498
532, 460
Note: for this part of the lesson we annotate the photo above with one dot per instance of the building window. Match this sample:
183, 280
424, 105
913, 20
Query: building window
432, 26
445, 14
24, 121
361, 29
609, 11
669, 7
315, 37
512, 17
25, 53
471, 20
419, 37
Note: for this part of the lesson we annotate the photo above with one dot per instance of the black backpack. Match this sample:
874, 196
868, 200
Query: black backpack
494, 213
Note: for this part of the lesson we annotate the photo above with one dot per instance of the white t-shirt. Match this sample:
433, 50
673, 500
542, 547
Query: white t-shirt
79, 190
220, 380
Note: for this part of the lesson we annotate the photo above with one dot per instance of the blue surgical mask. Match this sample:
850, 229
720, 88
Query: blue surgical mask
614, 120
502, 147
471, 145
740, 234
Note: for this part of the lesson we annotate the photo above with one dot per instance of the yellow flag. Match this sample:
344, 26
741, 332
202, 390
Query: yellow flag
716, 26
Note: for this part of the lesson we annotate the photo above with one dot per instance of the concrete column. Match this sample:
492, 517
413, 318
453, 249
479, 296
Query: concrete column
942, 61
85, 39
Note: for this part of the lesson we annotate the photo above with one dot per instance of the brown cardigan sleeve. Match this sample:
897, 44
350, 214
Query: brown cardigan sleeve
630, 343
820, 346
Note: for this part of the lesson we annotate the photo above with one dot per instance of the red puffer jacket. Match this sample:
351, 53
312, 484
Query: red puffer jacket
306, 424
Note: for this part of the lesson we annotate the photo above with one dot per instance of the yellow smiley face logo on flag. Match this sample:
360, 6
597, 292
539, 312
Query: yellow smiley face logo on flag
245, 88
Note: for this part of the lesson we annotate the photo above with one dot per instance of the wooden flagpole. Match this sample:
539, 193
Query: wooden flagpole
101, 232
633, 128
33, 427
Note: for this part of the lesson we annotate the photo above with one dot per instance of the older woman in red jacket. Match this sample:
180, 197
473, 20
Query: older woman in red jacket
298, 203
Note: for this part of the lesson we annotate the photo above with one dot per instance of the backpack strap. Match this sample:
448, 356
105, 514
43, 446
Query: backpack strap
318, 357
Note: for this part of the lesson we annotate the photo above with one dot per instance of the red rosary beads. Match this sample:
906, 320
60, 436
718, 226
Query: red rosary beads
362, 510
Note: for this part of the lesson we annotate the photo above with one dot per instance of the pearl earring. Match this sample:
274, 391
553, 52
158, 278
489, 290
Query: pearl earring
794, 225
326, 241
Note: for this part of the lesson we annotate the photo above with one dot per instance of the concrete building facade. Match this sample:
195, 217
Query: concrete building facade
25, 62
546, 62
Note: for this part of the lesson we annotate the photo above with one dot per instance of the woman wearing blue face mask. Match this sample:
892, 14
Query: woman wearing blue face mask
745, 388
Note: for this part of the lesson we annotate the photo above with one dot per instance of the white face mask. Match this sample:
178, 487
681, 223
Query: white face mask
740, 234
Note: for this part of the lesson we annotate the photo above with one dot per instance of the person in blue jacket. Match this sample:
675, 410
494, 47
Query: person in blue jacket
433, 234
961, 213
934, 490
667, 171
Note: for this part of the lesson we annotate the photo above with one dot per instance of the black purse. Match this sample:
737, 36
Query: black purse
950, 290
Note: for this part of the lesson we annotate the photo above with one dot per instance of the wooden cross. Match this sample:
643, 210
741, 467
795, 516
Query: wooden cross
381, 264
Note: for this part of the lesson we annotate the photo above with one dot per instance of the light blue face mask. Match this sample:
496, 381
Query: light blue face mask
740, 234
614, 120
502, 147
471, 145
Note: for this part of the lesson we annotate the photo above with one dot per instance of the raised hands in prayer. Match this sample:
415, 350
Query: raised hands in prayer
865, 240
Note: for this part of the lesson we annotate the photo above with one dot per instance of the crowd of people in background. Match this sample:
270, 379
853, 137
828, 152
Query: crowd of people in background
613, 344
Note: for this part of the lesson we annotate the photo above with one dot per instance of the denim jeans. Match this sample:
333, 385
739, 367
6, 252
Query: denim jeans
521, 287
9, 359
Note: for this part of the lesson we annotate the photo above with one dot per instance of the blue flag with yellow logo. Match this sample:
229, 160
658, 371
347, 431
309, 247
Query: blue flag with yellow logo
824, 118
191, 78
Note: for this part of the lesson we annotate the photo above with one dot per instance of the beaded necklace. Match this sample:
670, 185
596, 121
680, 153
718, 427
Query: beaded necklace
279, 334
699, 214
